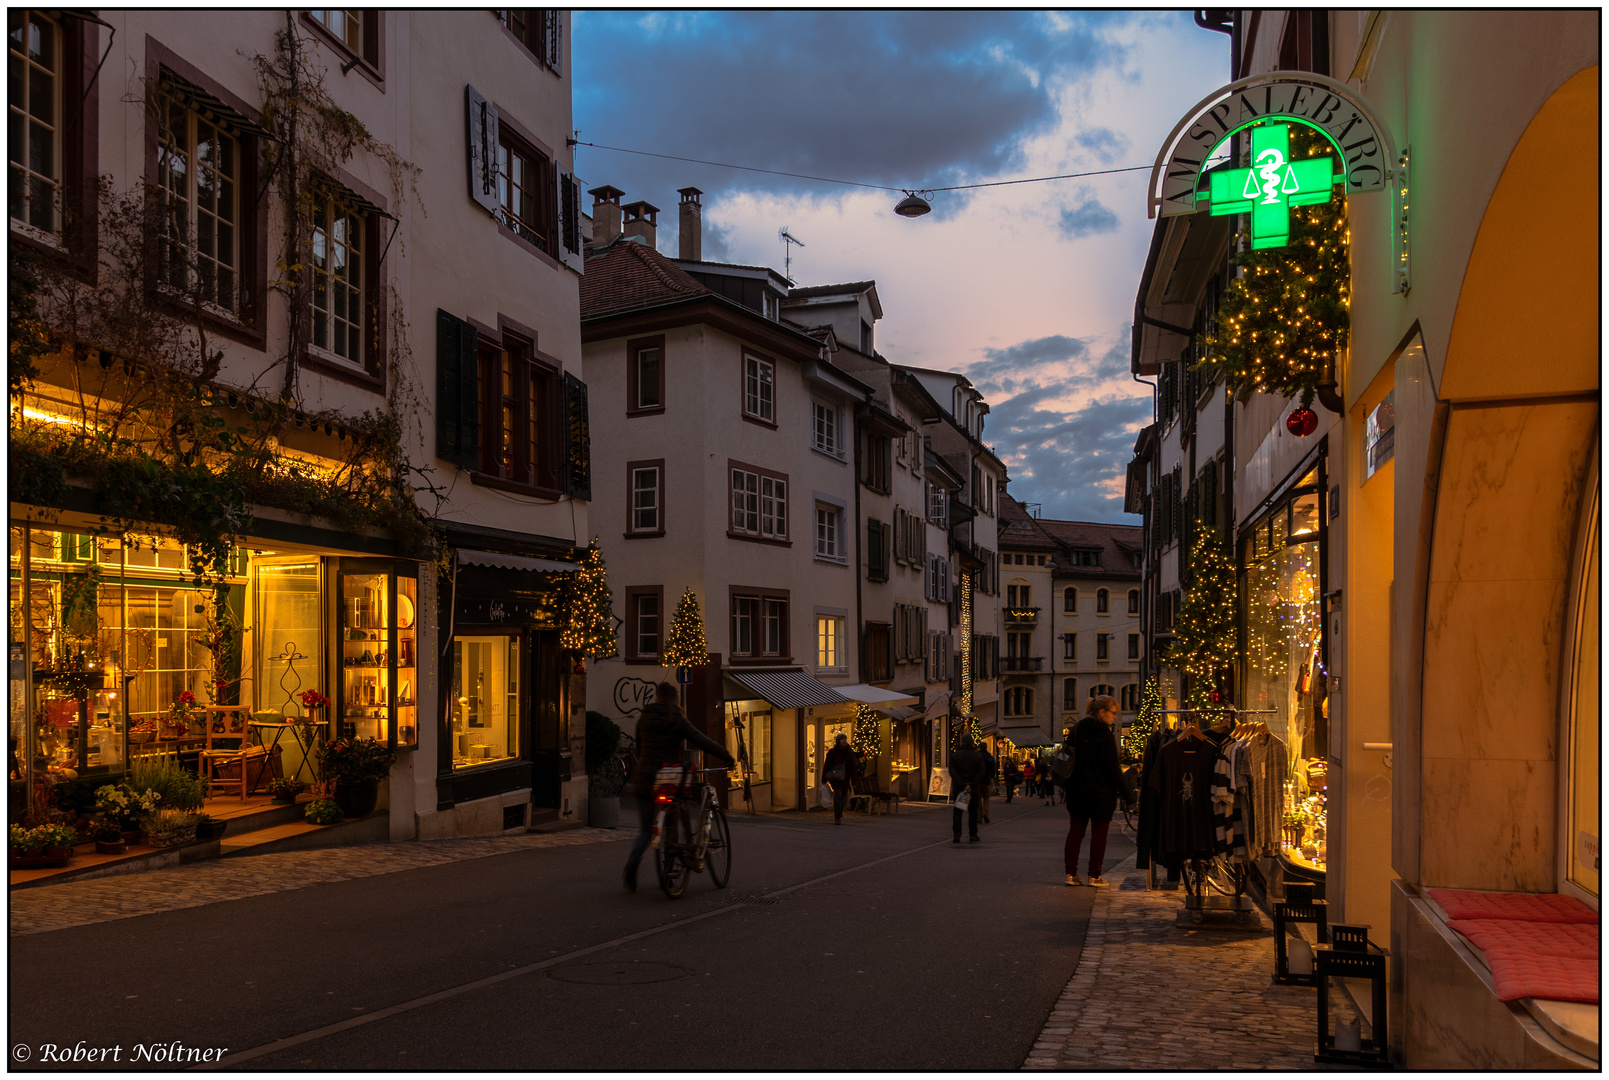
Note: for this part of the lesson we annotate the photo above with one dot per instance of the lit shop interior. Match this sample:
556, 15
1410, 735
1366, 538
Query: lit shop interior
115, 655
1286, 677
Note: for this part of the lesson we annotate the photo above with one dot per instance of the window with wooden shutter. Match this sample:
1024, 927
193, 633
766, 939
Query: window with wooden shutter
555, 41
483, 143
569, 194
577, 478
457, 425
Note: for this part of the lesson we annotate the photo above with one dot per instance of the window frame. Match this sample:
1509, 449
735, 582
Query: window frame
764, 601
1134, 647
1103, 602
1069, 646
634, 350
838, 618
632, 469
1069, 600
524, 46
749, 356
74, 245
631, 654
1103, 648
760, 536
878, 644
369, 60
829, 547
512, 135
1134, 601
371, 373
542, 478
247, 324
1069, 694
835, 448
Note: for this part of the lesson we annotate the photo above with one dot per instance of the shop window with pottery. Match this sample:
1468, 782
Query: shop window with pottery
379, 696
1286, 685
484, 699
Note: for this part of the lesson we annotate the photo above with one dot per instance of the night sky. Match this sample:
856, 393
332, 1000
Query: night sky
1028, 290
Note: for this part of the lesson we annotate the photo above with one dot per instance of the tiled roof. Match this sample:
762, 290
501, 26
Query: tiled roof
1019, 530
625, 276
1116, 543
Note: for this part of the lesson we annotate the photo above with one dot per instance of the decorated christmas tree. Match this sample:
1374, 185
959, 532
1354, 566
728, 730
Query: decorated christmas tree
684, 643
966, 726
1282, 319
591, 629
1204, 634
867, 738
1146, 720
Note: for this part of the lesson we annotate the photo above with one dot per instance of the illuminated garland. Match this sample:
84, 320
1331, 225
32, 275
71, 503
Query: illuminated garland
684, 643
966, 725
591, 627
1204, 634
867, 739
1287, 315
1146, 720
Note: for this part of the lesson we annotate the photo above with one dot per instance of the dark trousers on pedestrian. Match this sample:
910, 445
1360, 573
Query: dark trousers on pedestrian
1011, 786
1097, 843
645, 814
972, 816
840, 792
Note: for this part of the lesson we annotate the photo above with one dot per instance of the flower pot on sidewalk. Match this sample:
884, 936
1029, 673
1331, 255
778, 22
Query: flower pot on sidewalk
355, 800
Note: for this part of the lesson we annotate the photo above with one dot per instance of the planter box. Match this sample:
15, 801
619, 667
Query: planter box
115, 847
171, 838
41, 860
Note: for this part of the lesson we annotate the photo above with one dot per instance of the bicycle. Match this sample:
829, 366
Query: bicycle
680, 848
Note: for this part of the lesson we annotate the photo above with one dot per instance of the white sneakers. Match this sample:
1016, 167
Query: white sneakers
1098, 882
1073, 879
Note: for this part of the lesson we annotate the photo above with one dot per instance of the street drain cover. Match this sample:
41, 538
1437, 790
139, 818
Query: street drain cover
618, 973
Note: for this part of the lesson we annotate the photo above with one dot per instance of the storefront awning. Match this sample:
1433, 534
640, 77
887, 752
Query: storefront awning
497, 559
900, 712
784, 688
1027, 737
875, 696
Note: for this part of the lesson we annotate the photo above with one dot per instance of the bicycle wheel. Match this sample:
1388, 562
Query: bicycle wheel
1220, 877
670, 859
718, 860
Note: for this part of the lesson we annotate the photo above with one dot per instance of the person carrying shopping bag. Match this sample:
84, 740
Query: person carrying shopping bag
968, 776
839, 769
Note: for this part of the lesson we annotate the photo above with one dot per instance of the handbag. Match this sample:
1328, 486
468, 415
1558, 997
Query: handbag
835, 775
963, 799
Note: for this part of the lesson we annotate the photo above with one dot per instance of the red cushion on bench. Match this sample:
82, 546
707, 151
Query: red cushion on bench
1558, 961
1522, 907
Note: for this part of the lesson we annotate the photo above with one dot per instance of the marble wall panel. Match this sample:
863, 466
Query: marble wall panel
1510, 490
1488, 824
1491, 668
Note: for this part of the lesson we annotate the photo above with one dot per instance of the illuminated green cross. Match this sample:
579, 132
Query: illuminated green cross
1271, 186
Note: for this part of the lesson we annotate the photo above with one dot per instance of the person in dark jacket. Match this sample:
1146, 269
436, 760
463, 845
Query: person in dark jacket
1092, 789
988, 785
661, 731
969, 772
838, 769
1013, 776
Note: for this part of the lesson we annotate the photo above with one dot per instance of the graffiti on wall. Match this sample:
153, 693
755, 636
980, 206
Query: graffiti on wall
631, 694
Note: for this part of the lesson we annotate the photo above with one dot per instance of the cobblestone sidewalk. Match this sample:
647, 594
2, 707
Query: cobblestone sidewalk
1151, 995
55, 907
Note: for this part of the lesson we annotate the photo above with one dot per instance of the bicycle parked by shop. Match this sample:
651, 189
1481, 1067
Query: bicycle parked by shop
690, 830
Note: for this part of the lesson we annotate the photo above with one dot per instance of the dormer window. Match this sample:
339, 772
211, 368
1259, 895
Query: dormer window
773, 307
865, 337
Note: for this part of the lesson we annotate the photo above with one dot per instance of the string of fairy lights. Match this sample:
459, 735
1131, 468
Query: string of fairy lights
1205, 631
590, 629
685, 644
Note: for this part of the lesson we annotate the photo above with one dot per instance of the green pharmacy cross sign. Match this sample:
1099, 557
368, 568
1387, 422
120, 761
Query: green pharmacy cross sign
1272, 185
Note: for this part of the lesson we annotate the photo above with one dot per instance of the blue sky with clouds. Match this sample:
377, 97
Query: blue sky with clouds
1028, 289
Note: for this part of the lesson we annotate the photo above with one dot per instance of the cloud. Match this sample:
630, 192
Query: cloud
902, 98
1104, 143
1088, 218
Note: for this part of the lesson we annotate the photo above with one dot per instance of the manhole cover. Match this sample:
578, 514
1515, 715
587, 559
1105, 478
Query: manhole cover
618, 973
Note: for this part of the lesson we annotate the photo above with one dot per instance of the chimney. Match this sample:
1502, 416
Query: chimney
690, 228
642, 221
605, 215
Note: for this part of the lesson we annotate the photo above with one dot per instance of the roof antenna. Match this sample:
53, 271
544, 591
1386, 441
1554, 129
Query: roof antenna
788, 238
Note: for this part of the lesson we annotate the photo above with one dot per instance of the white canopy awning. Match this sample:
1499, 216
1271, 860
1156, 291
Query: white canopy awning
875, 696
1027, 737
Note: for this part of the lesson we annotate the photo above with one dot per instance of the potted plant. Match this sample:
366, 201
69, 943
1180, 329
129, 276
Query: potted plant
311, 719
283, 789
123, 805
108, 836
606, 771
209, 827
323, 812
356, 767
169, 828
176, 724
41, 847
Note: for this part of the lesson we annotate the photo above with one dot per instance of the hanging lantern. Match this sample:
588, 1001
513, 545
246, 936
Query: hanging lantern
913, 205
1301, 422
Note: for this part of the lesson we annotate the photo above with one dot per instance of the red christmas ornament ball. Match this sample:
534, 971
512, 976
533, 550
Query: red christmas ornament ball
1301, 422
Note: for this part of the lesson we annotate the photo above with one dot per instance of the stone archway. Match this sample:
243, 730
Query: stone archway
1520, 387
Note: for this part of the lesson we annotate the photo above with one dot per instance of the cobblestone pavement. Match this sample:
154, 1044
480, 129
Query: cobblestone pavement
1151, 995
55, 907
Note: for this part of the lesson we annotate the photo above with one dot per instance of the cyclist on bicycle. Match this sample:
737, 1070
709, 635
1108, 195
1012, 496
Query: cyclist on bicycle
661, 731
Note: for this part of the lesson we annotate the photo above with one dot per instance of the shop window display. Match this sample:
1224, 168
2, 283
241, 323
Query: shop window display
484, 703
757, 740
1285, 681
379, 674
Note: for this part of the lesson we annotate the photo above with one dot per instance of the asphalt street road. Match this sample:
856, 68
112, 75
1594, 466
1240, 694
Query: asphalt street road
875, 945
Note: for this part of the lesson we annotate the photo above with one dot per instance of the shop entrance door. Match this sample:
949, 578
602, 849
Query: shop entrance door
550, 739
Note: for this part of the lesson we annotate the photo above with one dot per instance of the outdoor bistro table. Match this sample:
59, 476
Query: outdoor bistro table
306, 743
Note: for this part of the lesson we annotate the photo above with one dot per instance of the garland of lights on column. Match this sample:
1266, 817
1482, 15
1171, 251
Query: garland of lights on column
1146, 720
867, 738
1286, 315
590, 630
1204, 633
685, 645
966, 643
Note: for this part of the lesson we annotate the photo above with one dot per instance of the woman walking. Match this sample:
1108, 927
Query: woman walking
1092, 790
839, 768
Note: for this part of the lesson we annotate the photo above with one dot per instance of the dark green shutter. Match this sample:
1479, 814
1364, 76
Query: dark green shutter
577, 477
456, 391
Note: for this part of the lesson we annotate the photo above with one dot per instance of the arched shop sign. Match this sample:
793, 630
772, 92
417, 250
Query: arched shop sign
1364, 157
